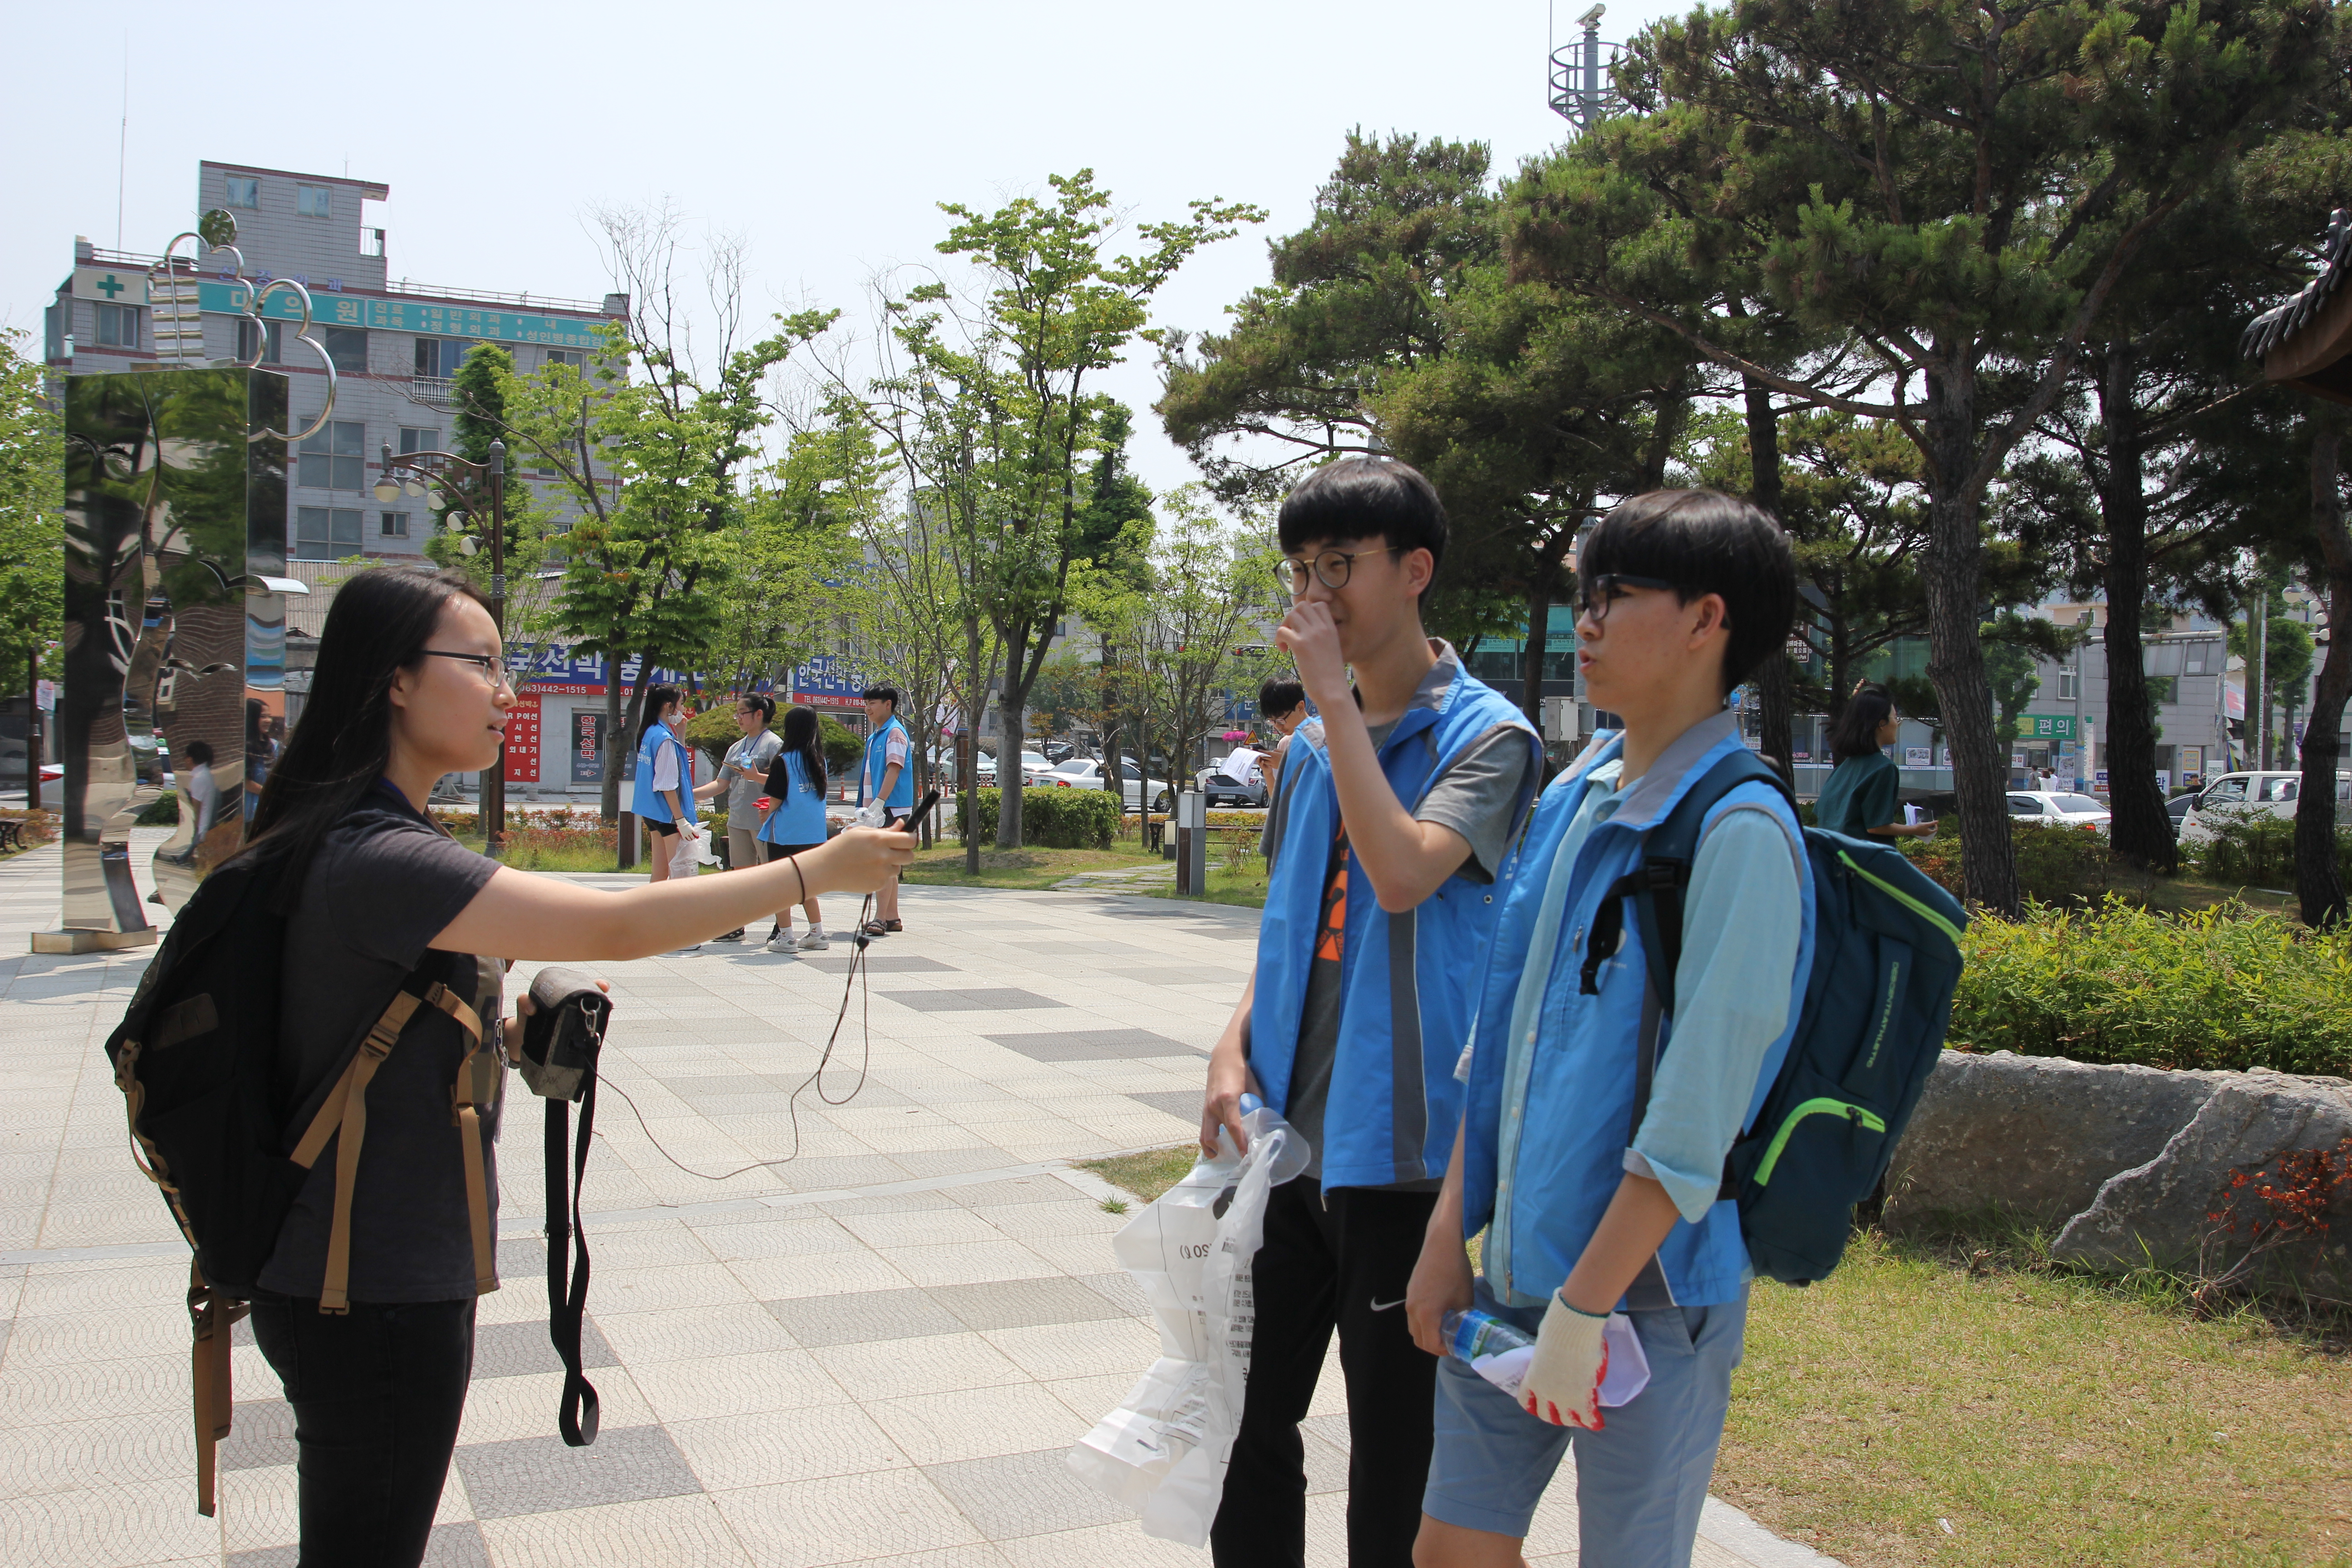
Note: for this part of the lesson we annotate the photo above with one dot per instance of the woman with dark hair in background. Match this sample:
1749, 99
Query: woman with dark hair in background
795, 823
741, 775
1862, 798
367, 1316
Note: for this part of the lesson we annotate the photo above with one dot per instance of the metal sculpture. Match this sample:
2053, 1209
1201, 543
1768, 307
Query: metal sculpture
175, 608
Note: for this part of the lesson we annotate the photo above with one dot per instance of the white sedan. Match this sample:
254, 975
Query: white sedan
1086, 772
2059, 808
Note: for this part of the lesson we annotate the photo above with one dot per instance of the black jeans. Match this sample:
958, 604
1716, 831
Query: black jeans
1322, 1266
377, 1394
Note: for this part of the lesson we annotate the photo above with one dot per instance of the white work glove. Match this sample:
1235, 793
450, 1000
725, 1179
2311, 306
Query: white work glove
1562, 1385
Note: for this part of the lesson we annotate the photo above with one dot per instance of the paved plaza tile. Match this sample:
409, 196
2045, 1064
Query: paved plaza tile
872, 1339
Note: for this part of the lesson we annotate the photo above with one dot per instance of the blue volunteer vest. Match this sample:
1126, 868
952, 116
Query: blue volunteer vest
1406, 1000
800, 819
869, 781
641, 799
1578, 1106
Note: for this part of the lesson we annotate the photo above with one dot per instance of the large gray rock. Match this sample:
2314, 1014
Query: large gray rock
2037, 1135
2160, 1211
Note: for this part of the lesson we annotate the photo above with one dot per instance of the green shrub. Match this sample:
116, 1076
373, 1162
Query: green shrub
2253, 848
2213, 988
714, 728
164, 811
1052, 818
842, 748
2063, 867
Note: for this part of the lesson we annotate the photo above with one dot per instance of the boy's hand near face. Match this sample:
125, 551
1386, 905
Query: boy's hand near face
1313, 639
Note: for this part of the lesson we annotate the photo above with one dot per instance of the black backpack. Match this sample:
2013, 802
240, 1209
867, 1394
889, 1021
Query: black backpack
195, 1058
1887, 960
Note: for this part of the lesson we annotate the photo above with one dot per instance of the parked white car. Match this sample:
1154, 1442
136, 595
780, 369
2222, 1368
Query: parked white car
2241, 795
2059, 808
1086, 772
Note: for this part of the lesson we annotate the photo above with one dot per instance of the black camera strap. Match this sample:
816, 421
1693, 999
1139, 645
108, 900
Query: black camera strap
567, 1303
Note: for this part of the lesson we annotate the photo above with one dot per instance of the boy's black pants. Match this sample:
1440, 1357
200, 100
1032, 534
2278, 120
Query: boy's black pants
377, 1394
1343, 1265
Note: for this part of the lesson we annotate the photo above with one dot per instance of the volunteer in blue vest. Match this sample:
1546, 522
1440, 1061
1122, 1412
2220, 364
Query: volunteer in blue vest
1586, 1213
664, 796
1394, 820
888, 777
796, 820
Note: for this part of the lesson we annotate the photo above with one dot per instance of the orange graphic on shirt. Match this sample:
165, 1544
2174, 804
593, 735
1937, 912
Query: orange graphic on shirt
1332, 935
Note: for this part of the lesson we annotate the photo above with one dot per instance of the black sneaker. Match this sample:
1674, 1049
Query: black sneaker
735, 935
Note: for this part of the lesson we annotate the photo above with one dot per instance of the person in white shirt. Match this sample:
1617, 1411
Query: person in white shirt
202, 793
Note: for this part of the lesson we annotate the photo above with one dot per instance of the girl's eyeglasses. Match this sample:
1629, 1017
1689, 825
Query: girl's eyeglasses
493, 668
1601, 591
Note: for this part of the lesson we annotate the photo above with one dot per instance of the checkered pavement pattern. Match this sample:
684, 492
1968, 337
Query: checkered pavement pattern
877, 1350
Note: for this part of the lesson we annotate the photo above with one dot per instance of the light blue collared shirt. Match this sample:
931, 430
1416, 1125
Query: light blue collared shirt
1742, 924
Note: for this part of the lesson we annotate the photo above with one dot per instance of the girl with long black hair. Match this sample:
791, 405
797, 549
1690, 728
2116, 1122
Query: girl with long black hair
1862, 798
373, 1337
796, 783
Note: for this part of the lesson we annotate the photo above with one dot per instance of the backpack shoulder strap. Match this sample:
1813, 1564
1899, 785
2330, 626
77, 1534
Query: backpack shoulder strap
1670, 851
346, 1109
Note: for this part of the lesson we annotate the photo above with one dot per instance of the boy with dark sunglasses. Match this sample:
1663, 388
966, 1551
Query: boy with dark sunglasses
1390, 827
1592, 1203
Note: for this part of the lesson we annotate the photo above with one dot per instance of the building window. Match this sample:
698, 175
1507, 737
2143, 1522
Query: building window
321, 534
347, 346
314, 201
333, 458
118, 326
572, 357
395, 525
419, 438
245, 192
2070, 685
2198, 654
436, 358
272, 339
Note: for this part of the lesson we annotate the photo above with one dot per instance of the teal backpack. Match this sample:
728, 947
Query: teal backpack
1886, 959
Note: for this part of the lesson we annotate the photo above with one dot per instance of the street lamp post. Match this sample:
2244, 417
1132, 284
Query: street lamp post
483, 480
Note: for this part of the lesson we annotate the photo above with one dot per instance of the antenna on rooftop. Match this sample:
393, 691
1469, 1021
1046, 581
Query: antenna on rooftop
1581, 92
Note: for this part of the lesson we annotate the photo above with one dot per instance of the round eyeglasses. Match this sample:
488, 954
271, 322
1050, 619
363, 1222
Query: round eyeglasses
493, 668
1598, 593
1332, 568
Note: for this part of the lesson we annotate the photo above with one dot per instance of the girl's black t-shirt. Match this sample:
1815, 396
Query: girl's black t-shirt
384, 882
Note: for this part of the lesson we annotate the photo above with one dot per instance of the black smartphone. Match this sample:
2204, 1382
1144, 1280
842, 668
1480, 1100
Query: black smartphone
923, 808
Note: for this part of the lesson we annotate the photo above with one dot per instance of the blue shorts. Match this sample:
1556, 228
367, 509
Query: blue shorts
1641, 1479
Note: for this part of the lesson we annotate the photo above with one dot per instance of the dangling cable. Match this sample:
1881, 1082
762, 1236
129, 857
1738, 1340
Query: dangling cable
857, 973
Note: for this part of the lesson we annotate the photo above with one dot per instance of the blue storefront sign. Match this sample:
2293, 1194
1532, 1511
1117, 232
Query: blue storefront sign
430, 318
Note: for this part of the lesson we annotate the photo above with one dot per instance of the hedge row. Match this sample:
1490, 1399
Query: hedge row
2214, 988
1052, 818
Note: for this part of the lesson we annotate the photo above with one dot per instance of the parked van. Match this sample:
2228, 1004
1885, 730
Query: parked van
2235, 796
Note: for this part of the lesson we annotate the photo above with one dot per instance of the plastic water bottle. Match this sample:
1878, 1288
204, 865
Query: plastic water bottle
1471, 1334
1501, 1354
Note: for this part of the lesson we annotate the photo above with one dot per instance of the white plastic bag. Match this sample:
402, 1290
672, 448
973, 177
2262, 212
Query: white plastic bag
691, 847
1163, 1451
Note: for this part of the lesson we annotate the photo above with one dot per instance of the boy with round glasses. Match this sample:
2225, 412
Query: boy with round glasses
1391, 824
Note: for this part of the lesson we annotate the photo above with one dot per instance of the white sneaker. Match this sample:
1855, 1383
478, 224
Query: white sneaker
816, 941
783, 942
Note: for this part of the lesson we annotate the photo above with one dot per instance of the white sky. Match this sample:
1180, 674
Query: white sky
823, 134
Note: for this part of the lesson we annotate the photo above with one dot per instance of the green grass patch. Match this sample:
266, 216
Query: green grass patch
1031, 866
1147, 1174
2048, 1418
